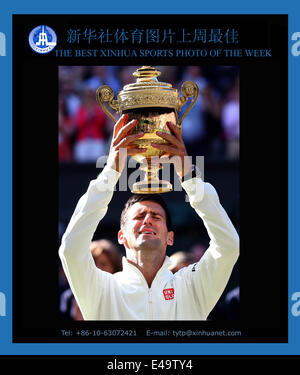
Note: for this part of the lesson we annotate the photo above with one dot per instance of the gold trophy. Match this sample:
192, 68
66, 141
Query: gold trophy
152, 103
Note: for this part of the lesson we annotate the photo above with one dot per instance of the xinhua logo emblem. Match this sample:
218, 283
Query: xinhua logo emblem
42, 39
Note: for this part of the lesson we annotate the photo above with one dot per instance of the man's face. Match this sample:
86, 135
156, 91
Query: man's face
145, 228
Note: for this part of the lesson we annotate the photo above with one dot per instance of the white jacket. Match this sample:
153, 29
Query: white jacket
189, 294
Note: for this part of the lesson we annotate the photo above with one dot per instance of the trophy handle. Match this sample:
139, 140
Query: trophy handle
106, 94
188, 89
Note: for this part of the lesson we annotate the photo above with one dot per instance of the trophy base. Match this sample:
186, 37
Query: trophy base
144, 187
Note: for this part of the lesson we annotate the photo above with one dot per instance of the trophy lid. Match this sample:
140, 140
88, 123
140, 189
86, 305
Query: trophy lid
147, 91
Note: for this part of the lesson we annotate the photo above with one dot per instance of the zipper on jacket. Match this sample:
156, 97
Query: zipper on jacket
150, 304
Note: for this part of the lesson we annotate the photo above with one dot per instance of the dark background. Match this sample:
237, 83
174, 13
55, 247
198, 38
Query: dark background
39, 182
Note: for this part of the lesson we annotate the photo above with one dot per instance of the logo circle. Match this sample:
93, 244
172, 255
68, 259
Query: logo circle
42, 39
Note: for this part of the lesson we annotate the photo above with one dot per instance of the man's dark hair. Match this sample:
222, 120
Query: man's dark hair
157, 198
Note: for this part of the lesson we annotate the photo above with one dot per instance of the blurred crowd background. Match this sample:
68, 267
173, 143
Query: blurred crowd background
211, 129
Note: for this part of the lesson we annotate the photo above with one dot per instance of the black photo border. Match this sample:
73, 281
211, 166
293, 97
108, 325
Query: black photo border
263, 183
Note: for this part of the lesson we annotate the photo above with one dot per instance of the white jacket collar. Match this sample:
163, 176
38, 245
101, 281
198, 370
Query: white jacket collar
132, 270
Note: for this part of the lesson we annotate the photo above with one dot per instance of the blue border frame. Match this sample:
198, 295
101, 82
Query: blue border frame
168, 7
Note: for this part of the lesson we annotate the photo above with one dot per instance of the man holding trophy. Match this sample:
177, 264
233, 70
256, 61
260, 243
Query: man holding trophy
146, 289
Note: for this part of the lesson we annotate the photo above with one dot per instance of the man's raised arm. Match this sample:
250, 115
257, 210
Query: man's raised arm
211, 274
74, 252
